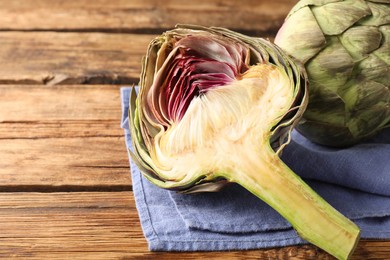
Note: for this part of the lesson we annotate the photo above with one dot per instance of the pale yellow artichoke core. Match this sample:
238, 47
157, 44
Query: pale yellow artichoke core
241, 112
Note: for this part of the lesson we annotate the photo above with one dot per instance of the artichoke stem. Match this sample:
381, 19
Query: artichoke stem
267, 177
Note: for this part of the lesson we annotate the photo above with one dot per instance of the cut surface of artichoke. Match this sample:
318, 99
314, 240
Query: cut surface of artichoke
216, 106
221, 119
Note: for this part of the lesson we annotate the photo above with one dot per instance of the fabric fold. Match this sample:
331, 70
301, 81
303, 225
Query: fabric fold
354, 180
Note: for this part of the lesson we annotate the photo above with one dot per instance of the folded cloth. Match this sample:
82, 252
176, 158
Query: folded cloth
355, 180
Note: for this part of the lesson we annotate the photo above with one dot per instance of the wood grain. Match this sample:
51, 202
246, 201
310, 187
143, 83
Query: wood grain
96, 163
71, 58
257, 17
59, 138
105, 225
68, 103
68, 225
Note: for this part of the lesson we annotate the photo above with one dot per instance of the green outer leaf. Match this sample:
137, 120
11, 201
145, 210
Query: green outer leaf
335, 18
365, 94
341, 135
308, 3
373, 68
380, 1
331, 112
380, 14
366, 123
384, 51
306, 43
360, 41
332, 65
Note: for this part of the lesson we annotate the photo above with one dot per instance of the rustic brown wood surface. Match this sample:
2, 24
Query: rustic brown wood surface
251, 16
71, 58
65, 187
42, 127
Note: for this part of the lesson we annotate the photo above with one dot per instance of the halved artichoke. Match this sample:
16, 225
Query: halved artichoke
215, 106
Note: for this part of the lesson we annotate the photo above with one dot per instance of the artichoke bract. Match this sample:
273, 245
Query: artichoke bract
214, 107
345, 48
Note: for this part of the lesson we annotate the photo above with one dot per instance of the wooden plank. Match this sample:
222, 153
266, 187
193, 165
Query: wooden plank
71, 58
62, 105
59, 129
105, 225
62, 138
61, 164
68, 225
260, 17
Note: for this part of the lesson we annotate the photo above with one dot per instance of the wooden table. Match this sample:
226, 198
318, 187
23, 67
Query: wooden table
65, 187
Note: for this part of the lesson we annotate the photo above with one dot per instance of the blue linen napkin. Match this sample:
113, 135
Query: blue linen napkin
355, 180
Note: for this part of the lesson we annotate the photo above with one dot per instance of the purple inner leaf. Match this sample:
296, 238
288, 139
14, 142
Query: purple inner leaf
201, 63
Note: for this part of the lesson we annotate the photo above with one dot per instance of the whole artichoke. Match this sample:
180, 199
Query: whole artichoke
215, 106
345, 48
